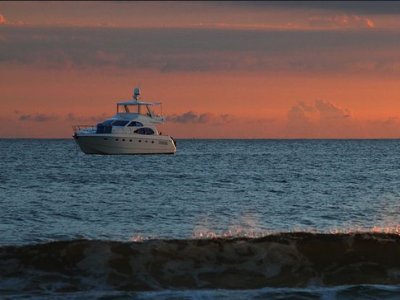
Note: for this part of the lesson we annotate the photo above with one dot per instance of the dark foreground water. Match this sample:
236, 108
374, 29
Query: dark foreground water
229, 219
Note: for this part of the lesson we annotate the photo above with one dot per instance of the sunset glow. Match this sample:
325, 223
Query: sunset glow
221, 69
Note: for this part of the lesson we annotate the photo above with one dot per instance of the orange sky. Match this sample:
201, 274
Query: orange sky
222, 70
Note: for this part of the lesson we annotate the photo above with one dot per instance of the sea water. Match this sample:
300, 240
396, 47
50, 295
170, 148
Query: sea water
220, 219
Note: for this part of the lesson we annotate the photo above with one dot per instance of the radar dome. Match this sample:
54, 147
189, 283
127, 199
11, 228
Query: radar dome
136, 93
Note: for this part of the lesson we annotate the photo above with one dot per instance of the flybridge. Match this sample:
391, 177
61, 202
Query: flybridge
152, 110
140, 108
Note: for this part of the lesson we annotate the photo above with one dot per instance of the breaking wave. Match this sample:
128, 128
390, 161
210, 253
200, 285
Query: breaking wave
292, 260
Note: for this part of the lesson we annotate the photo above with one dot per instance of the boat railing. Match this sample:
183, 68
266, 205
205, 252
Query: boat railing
78, 128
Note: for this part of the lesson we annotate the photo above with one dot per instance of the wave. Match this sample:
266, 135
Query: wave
292, 260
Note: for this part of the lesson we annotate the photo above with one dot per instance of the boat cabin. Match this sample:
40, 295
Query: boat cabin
112, 125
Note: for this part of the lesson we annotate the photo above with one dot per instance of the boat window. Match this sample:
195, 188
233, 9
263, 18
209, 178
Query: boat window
144, 130
107, 122
135, 124
104, 127
120, 123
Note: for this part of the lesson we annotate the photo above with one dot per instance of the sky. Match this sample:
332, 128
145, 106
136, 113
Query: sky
227, 69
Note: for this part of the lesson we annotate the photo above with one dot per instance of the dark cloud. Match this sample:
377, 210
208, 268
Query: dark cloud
192, 117
37, 117
189, 117
71, 117
198, 50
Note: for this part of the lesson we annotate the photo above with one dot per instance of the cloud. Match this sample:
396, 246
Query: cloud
320, 119
71, 117
350, 7
37, 117
192, 117
321, 109
329, 111
188, 117
391, 121
298, 121
2, 20
382, 128
341, 21
202, 50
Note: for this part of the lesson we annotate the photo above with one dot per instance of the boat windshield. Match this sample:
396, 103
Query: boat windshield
141, 109
107, 122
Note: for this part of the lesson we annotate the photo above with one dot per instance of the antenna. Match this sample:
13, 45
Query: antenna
136, 93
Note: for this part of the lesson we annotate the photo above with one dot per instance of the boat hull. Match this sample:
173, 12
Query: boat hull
117, 145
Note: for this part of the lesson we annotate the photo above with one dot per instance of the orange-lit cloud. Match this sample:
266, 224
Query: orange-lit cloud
321, 119
2, 19
341, 21
240, 14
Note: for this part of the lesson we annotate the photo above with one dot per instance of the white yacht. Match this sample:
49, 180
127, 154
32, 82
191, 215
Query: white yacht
131, 131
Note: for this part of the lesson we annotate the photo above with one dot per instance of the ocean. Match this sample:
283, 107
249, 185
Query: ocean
220, 219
